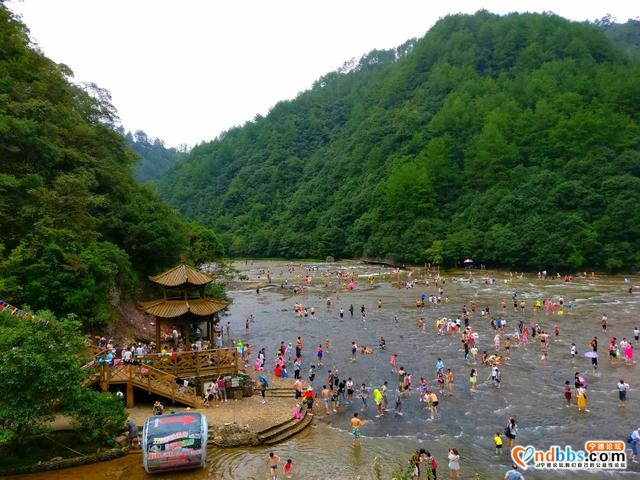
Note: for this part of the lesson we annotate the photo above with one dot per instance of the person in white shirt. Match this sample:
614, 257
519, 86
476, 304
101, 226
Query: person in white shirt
622, 392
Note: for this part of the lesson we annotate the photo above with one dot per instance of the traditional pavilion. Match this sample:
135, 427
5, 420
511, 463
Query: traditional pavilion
183, 301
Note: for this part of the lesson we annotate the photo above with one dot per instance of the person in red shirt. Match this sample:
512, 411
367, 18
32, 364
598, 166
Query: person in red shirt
308, 397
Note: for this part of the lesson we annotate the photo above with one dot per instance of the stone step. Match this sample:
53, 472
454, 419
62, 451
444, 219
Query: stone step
290, 432
277, 429
277, 392
288, 394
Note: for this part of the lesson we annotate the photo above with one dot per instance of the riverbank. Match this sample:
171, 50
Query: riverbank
249, 412
33, 461
235, 423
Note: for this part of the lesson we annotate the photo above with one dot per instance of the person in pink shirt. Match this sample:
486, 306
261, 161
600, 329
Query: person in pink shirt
392, 361
628, 354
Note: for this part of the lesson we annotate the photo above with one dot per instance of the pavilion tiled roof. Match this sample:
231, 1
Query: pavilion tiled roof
180, 275
201, 307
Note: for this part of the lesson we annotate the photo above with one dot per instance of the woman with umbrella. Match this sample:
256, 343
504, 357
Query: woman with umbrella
593, 355
263, 384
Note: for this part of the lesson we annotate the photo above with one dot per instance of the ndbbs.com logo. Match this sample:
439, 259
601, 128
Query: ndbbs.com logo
603, 454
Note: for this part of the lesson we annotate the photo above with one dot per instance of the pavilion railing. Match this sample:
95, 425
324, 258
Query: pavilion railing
194, 362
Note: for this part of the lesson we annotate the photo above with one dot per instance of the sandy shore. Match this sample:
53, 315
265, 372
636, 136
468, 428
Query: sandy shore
248, 411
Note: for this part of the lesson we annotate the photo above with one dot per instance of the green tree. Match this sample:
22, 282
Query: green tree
40, 367
78, 233
154, 158
100, 416
204, 245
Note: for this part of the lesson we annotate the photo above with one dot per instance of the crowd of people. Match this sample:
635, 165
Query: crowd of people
516, 325
340, 392
140, 352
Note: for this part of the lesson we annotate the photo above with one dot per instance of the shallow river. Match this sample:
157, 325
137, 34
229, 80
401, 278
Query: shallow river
532, 390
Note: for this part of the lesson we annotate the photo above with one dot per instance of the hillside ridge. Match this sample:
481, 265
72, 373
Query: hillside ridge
508, 139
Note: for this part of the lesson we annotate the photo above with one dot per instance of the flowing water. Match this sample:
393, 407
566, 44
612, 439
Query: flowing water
532, 390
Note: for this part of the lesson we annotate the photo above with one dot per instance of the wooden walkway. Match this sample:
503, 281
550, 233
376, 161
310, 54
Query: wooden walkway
150, 379
163, 375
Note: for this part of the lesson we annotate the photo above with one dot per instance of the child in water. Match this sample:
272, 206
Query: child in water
567, 394
398, 409
288, 468
497, 440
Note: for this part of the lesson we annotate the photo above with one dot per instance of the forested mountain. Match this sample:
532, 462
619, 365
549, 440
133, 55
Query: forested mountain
77, 231
512, 140
154, 157
625, 34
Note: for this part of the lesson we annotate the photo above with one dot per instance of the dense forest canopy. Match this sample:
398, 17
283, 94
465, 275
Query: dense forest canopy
511, 139
625, 34
153, 157
78, 232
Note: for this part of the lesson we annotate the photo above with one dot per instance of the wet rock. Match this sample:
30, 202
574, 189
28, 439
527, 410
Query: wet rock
232, 435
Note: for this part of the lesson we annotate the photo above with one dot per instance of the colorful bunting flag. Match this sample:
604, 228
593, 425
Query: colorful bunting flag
11, 311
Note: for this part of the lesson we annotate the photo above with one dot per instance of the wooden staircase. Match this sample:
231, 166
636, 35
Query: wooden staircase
285, 430
150, 379
162, 373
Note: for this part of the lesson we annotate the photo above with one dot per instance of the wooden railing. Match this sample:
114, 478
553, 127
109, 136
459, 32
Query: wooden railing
160, 374
195, 363
151, 379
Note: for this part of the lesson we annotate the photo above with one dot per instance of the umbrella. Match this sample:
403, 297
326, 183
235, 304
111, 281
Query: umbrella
264, 380
591, 354
468, 260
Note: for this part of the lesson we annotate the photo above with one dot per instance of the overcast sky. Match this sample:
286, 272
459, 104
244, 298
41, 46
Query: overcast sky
186, 70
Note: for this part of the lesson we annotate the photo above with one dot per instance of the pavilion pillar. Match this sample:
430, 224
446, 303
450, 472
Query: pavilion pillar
209, 329
158, 334
187, 337
130, 399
